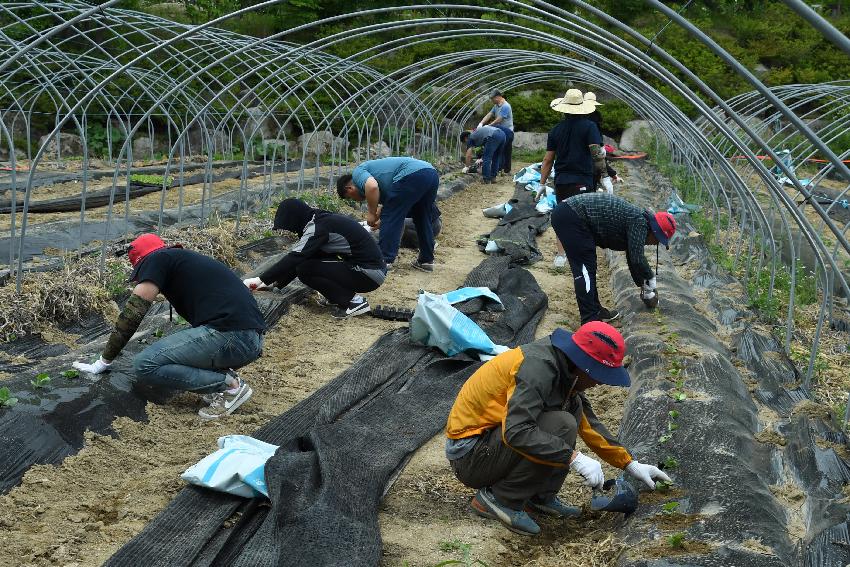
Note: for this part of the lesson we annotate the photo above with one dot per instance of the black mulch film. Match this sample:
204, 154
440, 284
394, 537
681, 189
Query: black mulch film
339, 450
517, 232
734, 486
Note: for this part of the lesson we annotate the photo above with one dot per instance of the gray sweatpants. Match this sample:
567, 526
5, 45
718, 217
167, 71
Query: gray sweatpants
513, 478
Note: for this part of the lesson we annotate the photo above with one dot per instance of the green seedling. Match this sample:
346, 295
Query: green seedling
670, 463
670, 508
673, 414
676, 540
680, 397
664, 438
663, 486
157, 333
6, 399
674, 372
672, 426
150, 179
71, 374
41, 380
680, 384
180, 320
465, 548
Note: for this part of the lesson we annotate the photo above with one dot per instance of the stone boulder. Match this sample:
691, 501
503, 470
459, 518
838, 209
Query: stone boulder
143, 147
374, 151
279, 149
609, 141
419, 144
633, 133
320, 143
258, 123
67, 145
530, 141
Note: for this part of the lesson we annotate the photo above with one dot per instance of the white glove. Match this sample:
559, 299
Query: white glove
609, 186
646, 473
590, 469
649, 287
254, 283
479, 161
465, 169
480, 124
99, 367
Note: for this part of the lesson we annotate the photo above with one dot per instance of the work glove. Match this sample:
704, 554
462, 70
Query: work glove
479, 161
254, 284
618, 179
590, 469
649, 293
608, 185
646, 473
465, 169
98, 367
480, 124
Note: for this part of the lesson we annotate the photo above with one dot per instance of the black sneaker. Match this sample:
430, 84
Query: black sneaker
357, 306
423, 266
606, 315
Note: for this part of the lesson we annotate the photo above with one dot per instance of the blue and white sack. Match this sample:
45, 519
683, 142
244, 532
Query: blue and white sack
436, 323
528, 174
238, 467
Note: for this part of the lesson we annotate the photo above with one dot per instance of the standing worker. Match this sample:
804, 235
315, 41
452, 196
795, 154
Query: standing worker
577, 144
334, 256
395, 188
502, 117
492, 140
585, 222
227, 326
512, 429
596, 118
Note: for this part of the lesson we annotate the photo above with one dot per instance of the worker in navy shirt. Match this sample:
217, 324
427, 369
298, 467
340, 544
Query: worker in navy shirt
395, 188
226, 326
335, 255
574, 145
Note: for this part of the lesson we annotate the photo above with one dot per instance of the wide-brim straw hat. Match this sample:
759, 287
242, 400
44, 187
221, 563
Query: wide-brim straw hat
572, 103
591, 97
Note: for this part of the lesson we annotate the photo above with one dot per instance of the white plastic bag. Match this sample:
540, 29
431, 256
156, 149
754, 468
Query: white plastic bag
436, 323
237, 468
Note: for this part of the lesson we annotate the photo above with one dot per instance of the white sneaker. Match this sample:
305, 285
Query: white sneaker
225, 403
560, 261
357, 306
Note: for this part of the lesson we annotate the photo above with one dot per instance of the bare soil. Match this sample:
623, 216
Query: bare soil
80, 512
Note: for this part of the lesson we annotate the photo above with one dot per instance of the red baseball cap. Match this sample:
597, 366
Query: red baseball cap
142, 246
596, 348
663, 225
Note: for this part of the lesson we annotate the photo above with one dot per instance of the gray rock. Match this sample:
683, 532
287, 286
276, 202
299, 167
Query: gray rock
65, 146
257, 123
143, 147
374, 151
419, 144
452, 127
279, 149
632, 134
320, 143
609, 141
530, 141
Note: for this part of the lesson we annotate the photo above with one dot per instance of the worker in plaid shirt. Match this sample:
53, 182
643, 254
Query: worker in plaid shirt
585, 222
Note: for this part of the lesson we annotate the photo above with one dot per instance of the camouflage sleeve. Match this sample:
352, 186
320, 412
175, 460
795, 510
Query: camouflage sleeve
597, 152
129, 320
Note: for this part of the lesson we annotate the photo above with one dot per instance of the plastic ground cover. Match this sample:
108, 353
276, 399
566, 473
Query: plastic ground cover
517, 232
340, 449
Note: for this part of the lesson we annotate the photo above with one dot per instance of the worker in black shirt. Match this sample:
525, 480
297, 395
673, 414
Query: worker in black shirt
335, 255
226, 333
596, 118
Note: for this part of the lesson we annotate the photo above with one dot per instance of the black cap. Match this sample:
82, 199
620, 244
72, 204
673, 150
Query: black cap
495, 93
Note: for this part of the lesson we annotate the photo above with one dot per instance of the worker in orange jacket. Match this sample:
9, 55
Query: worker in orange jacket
512, 430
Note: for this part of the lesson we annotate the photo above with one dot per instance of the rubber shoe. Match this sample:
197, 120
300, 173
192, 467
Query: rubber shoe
606, 315
553, 507
224, 403
208, 398
354, 308
423, 266
560, 261
518, 521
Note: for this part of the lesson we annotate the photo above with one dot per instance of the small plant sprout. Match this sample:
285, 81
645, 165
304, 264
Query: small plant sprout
680, 397
157, 333
677, 540
670, 508
70, 374
41, 380
673, 414
672, 426
680, 384
180, 320
664, 438
670, 464
663, 486
465, 548
6, 399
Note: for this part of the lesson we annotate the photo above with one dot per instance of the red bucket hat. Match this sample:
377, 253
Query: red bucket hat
663, 225
596, 348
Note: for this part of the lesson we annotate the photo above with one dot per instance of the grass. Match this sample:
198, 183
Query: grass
325, 201
145, 179
466, 554
677, 540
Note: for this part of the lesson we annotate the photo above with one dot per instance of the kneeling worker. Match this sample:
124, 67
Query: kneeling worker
402, 186
512, 430
335, 256
227, 326
586, 221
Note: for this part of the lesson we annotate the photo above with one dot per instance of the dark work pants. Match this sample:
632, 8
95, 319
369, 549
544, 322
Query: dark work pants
492, 159
580, 248
513, 478
566, 190
507, 148
409, 238
336, 280
413, 195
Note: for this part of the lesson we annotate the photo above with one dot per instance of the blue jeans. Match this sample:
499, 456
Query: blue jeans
196, 359
413, 195
493, 155
507, 148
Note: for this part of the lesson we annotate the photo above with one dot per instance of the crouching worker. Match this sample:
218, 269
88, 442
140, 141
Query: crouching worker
227, 326
335, 256
512, 430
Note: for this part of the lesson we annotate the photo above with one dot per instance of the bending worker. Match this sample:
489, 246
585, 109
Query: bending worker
502, 117
492, 140
585, 222
512, 430
226, 333
575, 147
335, 256
394, 188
